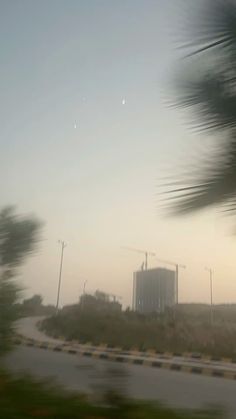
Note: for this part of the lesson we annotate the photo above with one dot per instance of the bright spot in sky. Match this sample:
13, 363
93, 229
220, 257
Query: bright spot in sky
123, 102
75, 125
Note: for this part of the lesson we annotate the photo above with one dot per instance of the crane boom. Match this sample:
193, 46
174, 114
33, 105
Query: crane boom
171, 263
139, 250
145, 252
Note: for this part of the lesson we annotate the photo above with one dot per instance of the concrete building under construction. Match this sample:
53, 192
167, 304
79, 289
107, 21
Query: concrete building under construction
153, 290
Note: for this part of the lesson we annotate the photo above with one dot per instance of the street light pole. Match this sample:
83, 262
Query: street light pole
177, 284
177, 266
63, 245
146, 261
85, 282
211, 292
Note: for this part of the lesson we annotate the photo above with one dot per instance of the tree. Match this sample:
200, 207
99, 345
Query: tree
35, 301
208, 89
99, 302
18, 238
32, 306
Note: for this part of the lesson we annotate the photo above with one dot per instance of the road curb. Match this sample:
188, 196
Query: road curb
127, 357
152, 352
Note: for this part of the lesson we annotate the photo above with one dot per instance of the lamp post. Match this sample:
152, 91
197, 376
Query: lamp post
63, 245
85, 282
211, 292
177, 266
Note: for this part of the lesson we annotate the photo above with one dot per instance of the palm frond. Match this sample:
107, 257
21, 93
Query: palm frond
211, 96
214, 28
215, 185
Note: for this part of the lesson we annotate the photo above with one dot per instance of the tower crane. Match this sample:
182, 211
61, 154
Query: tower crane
177, 267
144, 252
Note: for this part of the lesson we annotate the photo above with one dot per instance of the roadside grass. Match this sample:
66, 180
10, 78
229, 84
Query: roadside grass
189, 333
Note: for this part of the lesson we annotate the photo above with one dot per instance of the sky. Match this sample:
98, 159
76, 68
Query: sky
86, 140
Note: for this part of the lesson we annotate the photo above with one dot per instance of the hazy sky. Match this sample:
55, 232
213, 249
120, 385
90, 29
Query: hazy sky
86, 138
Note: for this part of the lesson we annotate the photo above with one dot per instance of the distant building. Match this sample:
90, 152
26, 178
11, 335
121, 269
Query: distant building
153, 290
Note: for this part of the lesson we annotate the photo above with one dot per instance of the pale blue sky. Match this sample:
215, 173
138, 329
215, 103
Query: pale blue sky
67, 62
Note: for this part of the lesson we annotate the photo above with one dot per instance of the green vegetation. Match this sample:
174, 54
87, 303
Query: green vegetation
190, 332
23, 398
18, 238
34, 307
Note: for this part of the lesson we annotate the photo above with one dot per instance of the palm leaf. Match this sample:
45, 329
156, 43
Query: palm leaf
215, 27
212, 99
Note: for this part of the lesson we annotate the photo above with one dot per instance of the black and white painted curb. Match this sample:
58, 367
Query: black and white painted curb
150, 359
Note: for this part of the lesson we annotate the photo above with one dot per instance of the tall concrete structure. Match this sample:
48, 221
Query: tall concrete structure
153, 290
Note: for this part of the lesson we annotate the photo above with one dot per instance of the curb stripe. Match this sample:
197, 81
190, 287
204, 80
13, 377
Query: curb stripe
108, 355
138, 361
218, 374
197, 370
72, 351
87, 353
156, 364
175, 367
134, 351
103, 356
120, 359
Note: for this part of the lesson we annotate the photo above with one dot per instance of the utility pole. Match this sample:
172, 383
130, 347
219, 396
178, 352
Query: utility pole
211, 293
82, 304
63, 245
177, 284
85, 282
177, 266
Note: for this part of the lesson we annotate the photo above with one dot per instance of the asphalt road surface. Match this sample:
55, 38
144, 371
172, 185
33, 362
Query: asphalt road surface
82, 374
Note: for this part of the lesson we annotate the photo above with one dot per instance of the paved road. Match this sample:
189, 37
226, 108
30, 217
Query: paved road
80, 373
27, 327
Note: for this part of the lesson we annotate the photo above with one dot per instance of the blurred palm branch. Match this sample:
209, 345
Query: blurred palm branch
208, 89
